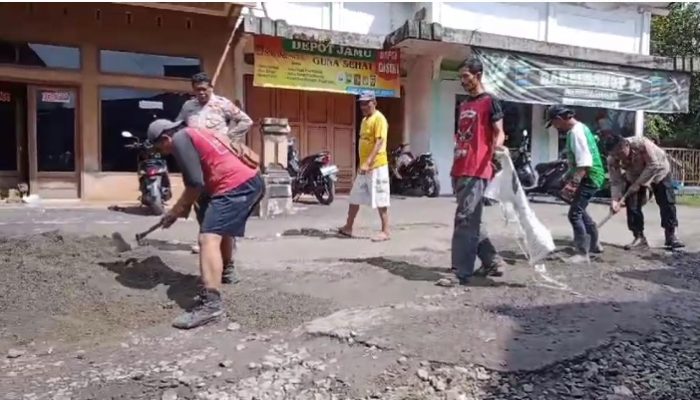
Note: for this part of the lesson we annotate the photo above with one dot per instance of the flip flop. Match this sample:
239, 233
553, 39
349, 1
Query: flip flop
381, 238
343, 234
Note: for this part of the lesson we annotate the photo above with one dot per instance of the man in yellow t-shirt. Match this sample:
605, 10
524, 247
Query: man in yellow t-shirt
371, 186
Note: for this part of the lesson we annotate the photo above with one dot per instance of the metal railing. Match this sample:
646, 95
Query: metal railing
685, 165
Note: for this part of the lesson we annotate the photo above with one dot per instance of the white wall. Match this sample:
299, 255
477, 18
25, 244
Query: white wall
311, 15
525, 20
607, 26
365, 18
618, 29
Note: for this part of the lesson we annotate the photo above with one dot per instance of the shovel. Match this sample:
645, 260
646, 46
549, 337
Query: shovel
611, 214
123, 246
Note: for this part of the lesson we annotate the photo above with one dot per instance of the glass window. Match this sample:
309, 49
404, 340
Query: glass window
9, 102
39, 55
55, 130
124, 62
127, 109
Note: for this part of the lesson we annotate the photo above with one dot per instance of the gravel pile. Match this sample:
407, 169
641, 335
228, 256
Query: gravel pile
662, 366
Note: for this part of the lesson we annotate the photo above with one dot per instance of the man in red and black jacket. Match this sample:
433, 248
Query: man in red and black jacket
479, 134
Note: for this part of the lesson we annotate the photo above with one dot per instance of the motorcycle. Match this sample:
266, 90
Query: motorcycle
313, 175
152, 171
410, 173
523, 164
551, 177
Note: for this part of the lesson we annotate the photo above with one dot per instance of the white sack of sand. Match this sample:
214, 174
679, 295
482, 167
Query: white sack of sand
534, 239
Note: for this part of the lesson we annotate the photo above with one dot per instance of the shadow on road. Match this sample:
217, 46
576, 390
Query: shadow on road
316, 233
148, 273
406, 270
131, 210
165, 245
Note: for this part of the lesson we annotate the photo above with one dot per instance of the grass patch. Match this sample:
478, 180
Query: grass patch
689, 200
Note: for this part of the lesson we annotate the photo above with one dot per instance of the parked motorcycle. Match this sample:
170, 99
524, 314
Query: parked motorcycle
411, 173
552, 178
152, 171
522, 162
313, 175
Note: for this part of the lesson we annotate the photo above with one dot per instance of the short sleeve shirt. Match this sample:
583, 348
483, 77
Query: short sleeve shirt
474, 139
373, 128
214, 116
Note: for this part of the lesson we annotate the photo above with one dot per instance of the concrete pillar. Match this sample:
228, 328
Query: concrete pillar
419, 103
639, 123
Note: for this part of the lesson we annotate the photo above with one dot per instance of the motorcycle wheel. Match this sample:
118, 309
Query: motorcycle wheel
431, 186
326, 194
155, 203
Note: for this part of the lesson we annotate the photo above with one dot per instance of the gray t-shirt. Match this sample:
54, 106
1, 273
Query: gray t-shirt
188, 160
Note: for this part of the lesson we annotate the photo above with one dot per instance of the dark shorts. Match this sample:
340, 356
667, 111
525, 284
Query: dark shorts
227, 214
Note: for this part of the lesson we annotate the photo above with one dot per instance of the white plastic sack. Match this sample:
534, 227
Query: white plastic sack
534, 238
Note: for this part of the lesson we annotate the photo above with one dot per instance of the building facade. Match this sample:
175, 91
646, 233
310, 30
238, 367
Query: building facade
434, 37
73, 76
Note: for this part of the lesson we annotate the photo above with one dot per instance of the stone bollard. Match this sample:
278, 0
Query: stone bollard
278, 184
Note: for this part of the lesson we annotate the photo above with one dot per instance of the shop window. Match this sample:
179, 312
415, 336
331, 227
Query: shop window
517, 117
8, 129
127, 109
39, 55
130, 63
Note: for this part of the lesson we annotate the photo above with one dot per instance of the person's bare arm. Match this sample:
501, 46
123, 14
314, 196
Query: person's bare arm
499, 135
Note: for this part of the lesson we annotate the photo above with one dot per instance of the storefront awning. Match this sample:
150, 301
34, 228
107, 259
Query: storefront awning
535, 79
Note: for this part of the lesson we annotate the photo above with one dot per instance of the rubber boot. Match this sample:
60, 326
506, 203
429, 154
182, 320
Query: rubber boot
595, 247
672, 241
582, 244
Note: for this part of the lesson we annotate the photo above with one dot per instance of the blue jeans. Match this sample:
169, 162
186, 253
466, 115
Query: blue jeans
469, 238
585, 229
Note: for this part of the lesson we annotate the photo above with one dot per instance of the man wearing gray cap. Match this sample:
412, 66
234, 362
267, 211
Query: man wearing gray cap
216, 113
371, 186
209, 166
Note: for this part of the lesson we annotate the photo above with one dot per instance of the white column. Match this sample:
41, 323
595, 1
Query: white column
644, 47
419, 103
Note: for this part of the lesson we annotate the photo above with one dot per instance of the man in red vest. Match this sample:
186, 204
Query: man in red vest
479, 134
233, 188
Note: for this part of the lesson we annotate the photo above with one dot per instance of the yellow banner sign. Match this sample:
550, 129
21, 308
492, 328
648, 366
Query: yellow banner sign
298, 64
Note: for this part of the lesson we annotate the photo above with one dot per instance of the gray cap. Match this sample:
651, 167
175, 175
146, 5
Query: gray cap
557, 111
367, 95
157, 127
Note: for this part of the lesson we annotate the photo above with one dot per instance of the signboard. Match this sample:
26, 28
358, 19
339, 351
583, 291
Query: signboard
55, 97
547, 80
299, 64
5, 97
